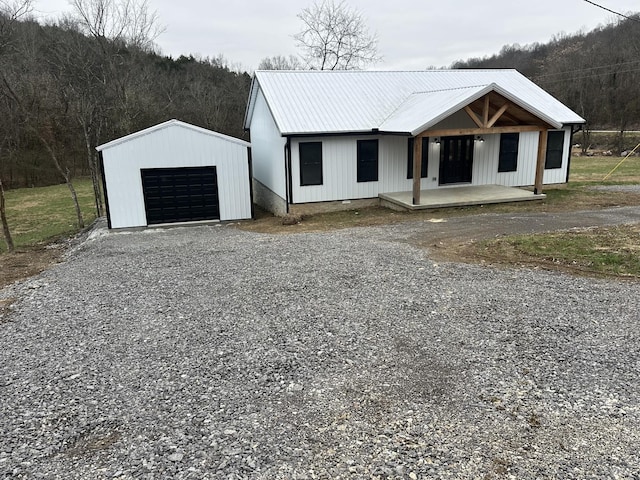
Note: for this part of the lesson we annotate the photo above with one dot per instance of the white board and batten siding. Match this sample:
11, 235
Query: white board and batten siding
268, 156
174, 144
339, 167
486, 156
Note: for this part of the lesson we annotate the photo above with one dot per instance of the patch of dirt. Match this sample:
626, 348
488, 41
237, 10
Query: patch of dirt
27, 262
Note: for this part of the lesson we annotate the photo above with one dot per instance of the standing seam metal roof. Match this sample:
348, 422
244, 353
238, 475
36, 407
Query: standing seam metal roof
308, 102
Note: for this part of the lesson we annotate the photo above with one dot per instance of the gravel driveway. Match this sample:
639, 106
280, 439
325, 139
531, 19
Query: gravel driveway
209, 352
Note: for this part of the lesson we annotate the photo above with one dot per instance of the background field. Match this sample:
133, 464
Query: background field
41, 214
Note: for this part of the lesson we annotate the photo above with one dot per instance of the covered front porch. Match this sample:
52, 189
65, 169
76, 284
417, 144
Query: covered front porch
458, 196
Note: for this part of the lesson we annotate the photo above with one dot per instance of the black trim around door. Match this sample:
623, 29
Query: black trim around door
456, 159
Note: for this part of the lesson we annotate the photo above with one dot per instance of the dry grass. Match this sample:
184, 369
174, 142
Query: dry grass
603, 251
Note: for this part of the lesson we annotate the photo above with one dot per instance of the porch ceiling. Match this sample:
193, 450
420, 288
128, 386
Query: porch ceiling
506, 113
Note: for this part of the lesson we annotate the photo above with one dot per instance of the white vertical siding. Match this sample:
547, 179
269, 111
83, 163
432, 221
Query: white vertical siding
485, 160
526, 166
173, 147
268, 149
487, 154
339, 172
339, 167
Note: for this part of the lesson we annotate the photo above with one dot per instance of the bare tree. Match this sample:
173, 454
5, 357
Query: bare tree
123, 21
335, 37
11, 11
41, 118
280, 62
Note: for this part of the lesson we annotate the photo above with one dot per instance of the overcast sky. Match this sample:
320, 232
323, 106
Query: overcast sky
412, 34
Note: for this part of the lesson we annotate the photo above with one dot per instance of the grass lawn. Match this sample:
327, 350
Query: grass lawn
594, 169
38, 215
606, 251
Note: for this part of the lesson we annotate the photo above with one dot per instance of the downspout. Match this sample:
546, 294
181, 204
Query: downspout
573, 132
253, 213
104, 189
287, 173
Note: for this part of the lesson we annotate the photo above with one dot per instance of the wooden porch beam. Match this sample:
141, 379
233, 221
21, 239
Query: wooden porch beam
485, 112
497, 115
542, 154
473, 116
480, 131
417, 169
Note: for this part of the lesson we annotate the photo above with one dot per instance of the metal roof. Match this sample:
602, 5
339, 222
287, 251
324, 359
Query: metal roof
167, 124
309, 102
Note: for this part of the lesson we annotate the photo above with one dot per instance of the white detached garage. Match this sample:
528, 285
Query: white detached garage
176, 172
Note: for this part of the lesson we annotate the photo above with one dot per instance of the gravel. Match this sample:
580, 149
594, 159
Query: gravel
209, 352
619, 188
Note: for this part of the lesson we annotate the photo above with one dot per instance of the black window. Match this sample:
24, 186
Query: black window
310, 163
367, 160
425, 157
508, 152
555, 142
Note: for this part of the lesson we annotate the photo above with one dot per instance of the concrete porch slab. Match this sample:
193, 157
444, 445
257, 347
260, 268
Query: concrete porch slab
459, 196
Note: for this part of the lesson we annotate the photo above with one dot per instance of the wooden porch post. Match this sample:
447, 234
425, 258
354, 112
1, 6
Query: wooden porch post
417, 168
542, 154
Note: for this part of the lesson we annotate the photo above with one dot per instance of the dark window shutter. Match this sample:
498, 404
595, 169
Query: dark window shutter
555, 144
425, 157
310, 163
508, 161
367, 161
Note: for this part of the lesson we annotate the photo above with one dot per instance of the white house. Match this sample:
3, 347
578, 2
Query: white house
176, 172
325, 139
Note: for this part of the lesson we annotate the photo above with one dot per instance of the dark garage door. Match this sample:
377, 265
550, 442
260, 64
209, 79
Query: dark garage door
180, 194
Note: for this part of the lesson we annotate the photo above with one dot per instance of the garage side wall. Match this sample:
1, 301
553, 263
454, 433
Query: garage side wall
175, 147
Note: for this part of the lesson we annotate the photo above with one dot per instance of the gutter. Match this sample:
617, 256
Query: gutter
287, 174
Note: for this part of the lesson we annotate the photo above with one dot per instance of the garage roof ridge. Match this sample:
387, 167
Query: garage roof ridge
169, 123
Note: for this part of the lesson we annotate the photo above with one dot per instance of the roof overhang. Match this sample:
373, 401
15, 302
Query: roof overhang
423, 110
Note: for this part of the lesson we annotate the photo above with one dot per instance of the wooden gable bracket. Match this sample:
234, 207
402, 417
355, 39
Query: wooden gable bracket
485, 121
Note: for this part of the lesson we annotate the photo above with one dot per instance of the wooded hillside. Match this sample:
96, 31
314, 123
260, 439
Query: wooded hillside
63, 92
597, 74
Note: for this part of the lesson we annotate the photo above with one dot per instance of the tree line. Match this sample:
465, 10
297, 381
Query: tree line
596, 73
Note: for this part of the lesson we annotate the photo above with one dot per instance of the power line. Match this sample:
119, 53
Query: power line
586, 69
613, 11
593, 75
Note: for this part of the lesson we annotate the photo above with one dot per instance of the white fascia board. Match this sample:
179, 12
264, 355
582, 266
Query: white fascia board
253, 95
167, 124
453, 109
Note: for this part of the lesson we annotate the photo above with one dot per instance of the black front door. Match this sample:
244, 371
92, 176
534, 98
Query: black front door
456, 159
